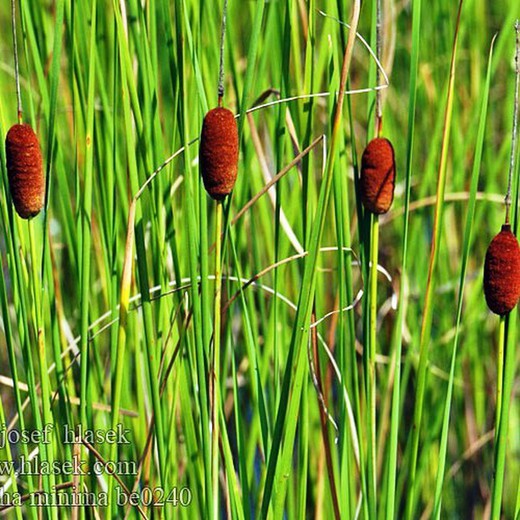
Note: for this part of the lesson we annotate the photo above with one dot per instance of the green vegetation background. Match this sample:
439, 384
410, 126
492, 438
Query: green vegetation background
113, 89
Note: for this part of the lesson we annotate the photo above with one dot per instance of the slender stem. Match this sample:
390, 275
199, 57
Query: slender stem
426, 324
379, 44
215, 372
517, 506
16, 67
371, 379
506, 360
506, 369
122, 339
46, 449
221, 65
372, 323
396, 397
500, 371
515, 123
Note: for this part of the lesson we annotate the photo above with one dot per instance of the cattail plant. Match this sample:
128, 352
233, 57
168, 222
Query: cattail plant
218, 154
27, 188
502, 272
23, 155
25, 170
376, 184
502, 264
218, 158
377, 180
502, 291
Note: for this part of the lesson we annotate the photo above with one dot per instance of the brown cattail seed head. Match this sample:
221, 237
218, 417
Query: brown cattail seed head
25, 170
502, 272
218, 154
378, 176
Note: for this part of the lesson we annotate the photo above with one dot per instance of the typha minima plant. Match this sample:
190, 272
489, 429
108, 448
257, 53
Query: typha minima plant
502, 262
218, 162
25, 170
377, 180
218, 152
502, 272
218, 155
27, 187
502, 291
23, 155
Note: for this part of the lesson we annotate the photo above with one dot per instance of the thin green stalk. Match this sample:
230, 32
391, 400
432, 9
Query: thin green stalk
5, 308
149, 335
251, 60
16, 390
243, 476
507, 330
370, 354
12, 473
54, 77
16, 67
258, 397
346, 334
86, 227
22, 312
199, 345
46, 449
514, 131
292, 386
428, 299
215, 372
370, 347
351, 351
468, 231
303, 458
233, 487
517, 505
505, 377
117, 379
398, 330
500, 371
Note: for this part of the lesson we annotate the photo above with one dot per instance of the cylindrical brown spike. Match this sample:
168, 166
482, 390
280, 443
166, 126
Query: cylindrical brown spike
502, 272
25, 170
218, 154
377, 178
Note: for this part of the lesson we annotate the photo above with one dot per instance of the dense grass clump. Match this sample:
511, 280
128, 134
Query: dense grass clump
318, 344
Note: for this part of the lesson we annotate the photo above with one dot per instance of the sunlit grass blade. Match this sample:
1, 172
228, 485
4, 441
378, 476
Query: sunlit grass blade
286, 418
397, 337
428, 298
467, 242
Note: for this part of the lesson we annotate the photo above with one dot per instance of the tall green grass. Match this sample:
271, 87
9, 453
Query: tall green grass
117, 275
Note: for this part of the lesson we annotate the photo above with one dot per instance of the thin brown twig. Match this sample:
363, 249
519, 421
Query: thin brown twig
430, 201
276, 178
473, 449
